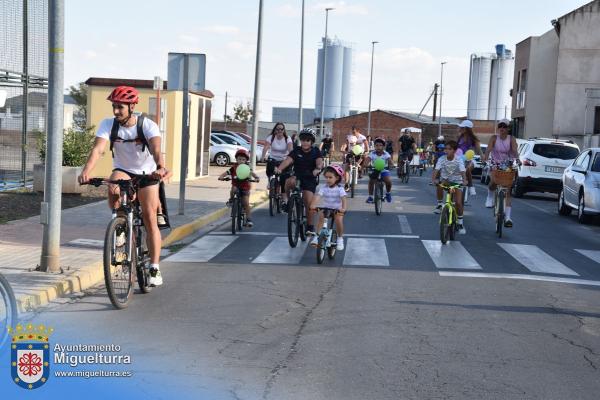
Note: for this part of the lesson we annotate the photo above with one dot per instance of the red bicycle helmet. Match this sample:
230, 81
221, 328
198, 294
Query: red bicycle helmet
242, 152
124, 94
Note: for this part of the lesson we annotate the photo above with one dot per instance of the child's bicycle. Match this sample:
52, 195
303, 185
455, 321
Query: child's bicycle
327, 236
449, 215
238, 214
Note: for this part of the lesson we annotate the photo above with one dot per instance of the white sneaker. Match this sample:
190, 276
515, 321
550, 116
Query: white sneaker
340, 244
155, 277
489, 202
461, 229
315, 241
120, 240
472, 191
438, 208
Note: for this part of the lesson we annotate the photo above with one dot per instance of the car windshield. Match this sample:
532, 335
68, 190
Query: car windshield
596, 164
227, 139
555, 151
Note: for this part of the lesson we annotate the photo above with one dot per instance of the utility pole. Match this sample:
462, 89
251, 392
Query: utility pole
325, 42
185, 133
50, 212
225, 114
441, 94
371, 88
256, 109
435, 99
25, 113
300, 119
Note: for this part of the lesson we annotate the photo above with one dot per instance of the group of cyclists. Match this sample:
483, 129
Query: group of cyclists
135, 144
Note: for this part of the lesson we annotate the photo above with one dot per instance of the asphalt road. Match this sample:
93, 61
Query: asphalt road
394, 316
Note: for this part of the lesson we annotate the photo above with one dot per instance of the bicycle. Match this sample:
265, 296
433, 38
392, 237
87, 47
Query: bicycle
403, 172
353, 175
8, 310
327, 236
297, 220
326, 160
238, 214
275, 198
378, 195
449, 215
504, 180
125, 245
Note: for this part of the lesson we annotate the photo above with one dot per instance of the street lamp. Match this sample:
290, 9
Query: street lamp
324, 70
371, 89
441, 93
256, 109
301, 70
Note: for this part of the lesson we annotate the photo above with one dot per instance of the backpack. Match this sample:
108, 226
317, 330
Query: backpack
141, 138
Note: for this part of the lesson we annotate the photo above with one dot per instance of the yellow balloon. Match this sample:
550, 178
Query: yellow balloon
357, 150
469, 155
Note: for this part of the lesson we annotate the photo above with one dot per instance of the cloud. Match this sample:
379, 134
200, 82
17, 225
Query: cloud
111, 45
288, 10
187, 38
221, 29
90, 54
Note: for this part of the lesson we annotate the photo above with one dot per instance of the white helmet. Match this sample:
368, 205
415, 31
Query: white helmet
441, 137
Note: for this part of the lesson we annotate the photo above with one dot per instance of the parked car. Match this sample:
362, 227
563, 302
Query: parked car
239, 141
581, 186
477, 167
543, 162
229, 146
241, 135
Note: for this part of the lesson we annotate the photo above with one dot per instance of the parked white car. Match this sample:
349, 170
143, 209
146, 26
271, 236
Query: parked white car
543, 162
237, 141
581, 186
222, 154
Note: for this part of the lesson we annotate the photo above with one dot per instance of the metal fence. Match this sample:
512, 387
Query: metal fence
24, 81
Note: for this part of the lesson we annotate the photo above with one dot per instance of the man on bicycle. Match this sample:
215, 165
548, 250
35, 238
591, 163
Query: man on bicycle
379, 152
348, 147
307, 162
132, 158
408, 146
438, 148
450, 169
327, 146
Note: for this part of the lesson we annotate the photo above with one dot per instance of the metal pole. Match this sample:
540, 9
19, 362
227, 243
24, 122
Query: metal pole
371, 88
25, 111
496, 105
441, 93
225, 115
185, 134
300, 119
50, 212
325, 42
158, 107
256, 110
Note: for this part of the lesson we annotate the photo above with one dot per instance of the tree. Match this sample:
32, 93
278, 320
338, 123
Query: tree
242, 113
79, 94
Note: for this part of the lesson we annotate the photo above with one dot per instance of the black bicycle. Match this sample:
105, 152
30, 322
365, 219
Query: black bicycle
125, 247
275, 199
297, 220
238, 214
8, 310
403, 169
378, 194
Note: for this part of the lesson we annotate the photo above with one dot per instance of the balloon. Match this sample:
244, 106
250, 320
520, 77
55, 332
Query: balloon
379, 164
459, 152
469, 155
242, 171
357, 150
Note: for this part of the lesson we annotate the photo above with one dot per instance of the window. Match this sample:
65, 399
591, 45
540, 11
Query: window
555, 151
597, 120
585, 161
216, 139
596, 164
227, 139
521, 88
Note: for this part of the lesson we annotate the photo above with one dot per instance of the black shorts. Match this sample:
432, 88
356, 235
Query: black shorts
144, 180
325, 152
405, 155
271, 164
308, 183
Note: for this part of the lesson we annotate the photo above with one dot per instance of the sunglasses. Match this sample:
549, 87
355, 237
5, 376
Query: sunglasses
280, 129
502, 126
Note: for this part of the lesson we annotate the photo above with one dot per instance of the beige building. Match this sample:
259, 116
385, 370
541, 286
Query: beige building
170, 122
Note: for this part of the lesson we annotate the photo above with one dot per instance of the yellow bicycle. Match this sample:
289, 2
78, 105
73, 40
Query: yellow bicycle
449, 215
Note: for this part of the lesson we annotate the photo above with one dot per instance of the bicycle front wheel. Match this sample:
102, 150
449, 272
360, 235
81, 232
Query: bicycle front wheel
444, 224
321, 249
499, 213
117, 270
301, 218
234, 215
272, 197
293, 223
378, 198
8, 310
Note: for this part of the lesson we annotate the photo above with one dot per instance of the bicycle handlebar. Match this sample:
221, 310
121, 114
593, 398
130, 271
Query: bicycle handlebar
227, 178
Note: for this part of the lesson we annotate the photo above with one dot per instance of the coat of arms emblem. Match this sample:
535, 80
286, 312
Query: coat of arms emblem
30, 355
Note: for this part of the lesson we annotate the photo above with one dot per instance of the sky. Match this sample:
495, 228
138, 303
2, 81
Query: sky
131, 39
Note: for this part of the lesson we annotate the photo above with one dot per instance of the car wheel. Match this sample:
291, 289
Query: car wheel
519, 189
563, 208
222, 159
582, 217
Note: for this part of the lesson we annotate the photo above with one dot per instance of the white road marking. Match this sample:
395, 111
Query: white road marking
366, 252
450, 256
593, 255
536, 260
280, 252
202, 249
404, 225
99, 244
520, 276
345, 235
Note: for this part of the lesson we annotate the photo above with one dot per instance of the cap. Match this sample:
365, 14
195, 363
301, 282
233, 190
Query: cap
466, 124
504, 121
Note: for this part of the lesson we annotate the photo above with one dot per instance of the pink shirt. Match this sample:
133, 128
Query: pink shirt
501, 151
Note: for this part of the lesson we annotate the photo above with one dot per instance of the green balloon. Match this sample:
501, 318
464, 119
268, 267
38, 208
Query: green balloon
242, 171
379, 164
357, 150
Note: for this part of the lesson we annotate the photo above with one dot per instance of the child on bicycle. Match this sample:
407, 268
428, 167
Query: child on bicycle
450, 169
379, 152
331, 195
243, 185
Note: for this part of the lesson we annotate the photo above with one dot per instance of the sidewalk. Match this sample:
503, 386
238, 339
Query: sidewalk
82, 236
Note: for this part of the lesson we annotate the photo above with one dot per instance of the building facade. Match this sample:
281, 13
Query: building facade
289, 115
556, 87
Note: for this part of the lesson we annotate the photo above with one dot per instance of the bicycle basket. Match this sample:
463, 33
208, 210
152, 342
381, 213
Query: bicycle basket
503, 178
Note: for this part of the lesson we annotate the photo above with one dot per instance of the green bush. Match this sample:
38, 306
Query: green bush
77, 145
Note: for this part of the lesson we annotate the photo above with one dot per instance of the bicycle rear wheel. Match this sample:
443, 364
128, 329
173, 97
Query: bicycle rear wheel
234, 215
321, 249
272, 197
293, 223
142, 268
117, 271
332, 248
241, 216
8, 310
499, 213
378, 198
406, 173
352, 181
444, 224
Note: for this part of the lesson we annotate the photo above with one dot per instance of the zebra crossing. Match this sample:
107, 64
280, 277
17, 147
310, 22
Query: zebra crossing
394, 251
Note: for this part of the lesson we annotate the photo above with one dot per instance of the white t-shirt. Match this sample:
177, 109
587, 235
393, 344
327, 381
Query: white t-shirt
451, 169
331, 197
385, 156
279, 149
360, 139
129, 156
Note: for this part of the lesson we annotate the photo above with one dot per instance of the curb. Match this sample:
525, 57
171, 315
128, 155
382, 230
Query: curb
92, 274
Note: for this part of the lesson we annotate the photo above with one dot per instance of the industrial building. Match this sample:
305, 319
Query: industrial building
289, 115
556, 87
338, 89
490, 81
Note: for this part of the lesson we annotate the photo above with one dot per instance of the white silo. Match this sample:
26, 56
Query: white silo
347, 82
339, 74
501, 82
479, 86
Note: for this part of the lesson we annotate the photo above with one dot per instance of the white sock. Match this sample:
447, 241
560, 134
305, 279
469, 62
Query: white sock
507, 212
154, 266
460, 220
